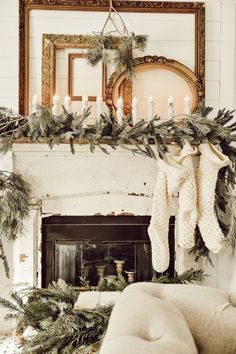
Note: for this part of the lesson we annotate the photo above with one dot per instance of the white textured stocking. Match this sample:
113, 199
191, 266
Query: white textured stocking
211, 161
187, 208
170, 176
159, 225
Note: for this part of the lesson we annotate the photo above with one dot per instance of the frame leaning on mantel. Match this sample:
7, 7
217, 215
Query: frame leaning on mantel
118, 83
52, 42
25, 6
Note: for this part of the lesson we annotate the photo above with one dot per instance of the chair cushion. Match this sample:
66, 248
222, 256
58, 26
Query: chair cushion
209, 312
144, 324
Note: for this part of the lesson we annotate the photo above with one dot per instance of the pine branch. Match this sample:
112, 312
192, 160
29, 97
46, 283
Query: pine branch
3, 258
112, 284
200, 249
189, 276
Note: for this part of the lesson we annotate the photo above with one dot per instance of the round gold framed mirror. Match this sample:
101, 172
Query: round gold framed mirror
158, 77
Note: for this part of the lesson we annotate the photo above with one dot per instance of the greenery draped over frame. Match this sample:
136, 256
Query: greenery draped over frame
122, 47
150, 139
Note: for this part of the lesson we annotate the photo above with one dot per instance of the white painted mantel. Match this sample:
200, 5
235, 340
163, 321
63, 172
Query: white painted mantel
81, 184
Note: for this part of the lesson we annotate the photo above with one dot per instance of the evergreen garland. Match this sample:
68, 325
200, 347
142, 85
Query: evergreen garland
147, 138
14, 208
189, 276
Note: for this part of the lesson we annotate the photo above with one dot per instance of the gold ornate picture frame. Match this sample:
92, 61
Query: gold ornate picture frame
119, 85
25, 6
71, 58
51, 43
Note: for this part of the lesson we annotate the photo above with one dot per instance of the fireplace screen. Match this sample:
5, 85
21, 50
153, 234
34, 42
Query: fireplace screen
91, 261
79, 249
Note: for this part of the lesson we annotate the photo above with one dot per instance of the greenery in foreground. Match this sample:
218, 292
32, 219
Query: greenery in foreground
61, 328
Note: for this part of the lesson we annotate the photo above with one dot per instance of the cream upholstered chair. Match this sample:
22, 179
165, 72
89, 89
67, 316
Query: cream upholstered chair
172, 319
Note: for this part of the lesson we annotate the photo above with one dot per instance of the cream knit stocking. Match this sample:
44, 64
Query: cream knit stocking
187, 207
211, 161
159, 225
170, 175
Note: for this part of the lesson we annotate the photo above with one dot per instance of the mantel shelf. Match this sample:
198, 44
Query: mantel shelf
77, 141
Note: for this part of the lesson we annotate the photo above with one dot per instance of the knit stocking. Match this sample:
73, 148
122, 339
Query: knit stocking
187, 208
170, 175
159, 225
211, 161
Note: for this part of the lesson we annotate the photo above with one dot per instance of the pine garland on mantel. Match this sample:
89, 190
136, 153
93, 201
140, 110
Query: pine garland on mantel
150, 139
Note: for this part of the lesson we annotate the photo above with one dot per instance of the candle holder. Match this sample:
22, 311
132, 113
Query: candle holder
101, 270
131, 275
85, 270
119, 266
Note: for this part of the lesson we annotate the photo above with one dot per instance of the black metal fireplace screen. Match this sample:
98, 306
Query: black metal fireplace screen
87, 248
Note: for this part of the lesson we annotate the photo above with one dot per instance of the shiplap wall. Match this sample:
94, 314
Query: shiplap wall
9, 53
220, 91
167, 33
8, 97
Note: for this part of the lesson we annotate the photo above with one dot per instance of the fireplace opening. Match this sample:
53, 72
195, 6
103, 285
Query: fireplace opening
77, 248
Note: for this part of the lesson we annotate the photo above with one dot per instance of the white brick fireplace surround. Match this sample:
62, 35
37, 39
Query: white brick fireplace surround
81, 184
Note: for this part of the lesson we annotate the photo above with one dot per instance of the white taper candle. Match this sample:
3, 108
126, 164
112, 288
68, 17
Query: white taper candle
170, 112
56, 104
150, 108
135, 110
35, 103
119, 112
99, 106
84, 102
187, 105
67, 103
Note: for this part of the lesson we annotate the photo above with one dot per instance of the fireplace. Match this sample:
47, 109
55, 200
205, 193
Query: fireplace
86, 201
78, 248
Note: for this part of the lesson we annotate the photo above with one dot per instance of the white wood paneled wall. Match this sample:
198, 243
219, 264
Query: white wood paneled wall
9, 98
9, 53
220, 91
168, 33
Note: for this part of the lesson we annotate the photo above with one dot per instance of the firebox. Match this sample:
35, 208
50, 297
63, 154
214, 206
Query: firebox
87, 248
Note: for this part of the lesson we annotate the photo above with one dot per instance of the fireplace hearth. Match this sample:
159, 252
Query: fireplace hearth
78, 248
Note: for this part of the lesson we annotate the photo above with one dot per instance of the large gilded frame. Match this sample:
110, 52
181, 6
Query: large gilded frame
25, 6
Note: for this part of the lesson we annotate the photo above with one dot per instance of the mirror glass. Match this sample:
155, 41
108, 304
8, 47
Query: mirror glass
159, 80
160, 84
